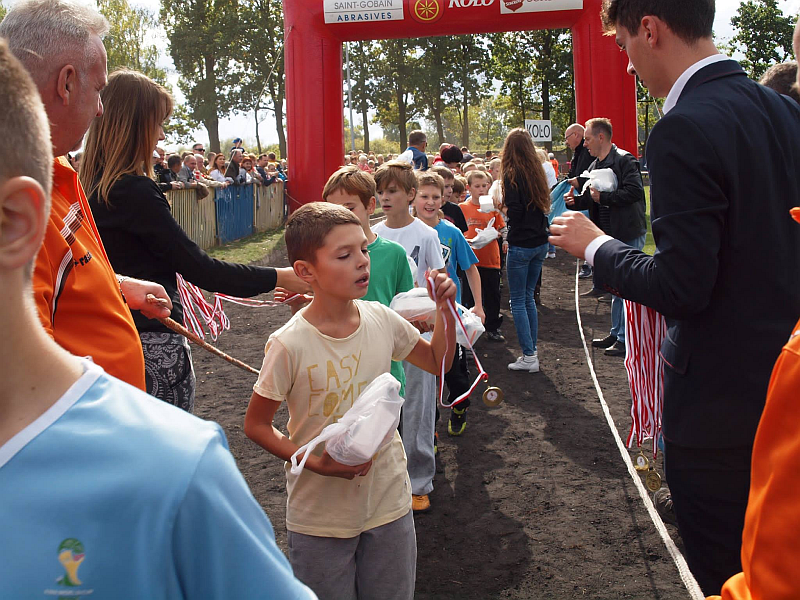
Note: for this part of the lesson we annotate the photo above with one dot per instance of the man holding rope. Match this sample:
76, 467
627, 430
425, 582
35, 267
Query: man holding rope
81, 302
725, 269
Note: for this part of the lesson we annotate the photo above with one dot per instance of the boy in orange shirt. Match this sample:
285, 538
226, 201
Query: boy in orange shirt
488, 256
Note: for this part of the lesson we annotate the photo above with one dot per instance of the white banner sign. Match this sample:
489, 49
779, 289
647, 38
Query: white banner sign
508, 7
363, 11
541, 131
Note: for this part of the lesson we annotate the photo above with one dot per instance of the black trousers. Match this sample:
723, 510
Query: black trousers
490, 291
457, 378
709, 488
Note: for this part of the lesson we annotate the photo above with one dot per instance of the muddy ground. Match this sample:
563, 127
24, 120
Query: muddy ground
533, 501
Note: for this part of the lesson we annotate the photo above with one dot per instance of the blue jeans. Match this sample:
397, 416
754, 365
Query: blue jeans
617, 304
524, 266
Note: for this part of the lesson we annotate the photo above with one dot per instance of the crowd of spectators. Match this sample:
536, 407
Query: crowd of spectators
201, 170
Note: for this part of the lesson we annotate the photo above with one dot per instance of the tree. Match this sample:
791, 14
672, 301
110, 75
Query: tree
763, 35
261, 55
2, 12
363, 85
435, 91
397, 75
512, 60
125, 43
205, 38
469, 77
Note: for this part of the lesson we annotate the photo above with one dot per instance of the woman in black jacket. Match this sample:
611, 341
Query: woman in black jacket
140, 235
527, 199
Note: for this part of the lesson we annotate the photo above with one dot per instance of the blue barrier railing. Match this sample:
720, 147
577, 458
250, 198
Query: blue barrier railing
234, 212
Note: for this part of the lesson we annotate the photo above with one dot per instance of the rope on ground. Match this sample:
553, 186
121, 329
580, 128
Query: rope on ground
683, 569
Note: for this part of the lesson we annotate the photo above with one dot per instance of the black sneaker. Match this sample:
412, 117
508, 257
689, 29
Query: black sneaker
594, 293
495, 336
663, 501
586, 271
458, 421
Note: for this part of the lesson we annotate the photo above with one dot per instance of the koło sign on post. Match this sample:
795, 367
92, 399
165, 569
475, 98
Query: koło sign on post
541, 131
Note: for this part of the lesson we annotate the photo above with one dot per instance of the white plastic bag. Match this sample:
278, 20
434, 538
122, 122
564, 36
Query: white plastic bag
364, 430
415, 305
603, 180
484, 236
473, 326
487, 204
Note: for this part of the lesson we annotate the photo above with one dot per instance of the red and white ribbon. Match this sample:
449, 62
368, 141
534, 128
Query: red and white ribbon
482, 374
645, 330
199, 313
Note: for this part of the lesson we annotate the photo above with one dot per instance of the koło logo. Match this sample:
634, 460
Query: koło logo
469, 3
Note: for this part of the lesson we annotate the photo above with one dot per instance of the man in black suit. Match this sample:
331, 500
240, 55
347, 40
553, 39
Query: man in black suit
722, 162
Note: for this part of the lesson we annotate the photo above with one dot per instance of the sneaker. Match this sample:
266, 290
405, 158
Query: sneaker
458, 421
605, 342
420, 504
586, 271
495, 336
663, 501
616, 349
606, 298
593, 293
551, 255
525, 363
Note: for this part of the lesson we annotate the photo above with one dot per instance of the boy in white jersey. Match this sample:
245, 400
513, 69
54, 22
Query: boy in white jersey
106, 491
396, 185
351, 531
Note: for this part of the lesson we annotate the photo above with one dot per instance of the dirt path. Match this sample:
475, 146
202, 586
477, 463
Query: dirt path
533, 501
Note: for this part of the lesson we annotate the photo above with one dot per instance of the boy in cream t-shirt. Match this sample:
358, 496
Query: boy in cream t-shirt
351, 531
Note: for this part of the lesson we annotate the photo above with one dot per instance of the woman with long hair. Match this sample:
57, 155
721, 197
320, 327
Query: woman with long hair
527, 198
142, 238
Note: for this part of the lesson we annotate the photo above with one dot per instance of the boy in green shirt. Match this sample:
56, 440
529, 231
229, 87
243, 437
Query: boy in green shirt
390, 272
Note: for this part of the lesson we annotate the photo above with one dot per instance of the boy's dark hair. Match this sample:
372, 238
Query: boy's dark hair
396, 171
353, 181
690, 20
459, 186
783, 79
442, 172
416, 137
600, 125
271, 156
309, 225
452, 154
174, 160
430, 178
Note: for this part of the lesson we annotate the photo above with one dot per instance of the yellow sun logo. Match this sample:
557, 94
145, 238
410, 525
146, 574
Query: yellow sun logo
427, 11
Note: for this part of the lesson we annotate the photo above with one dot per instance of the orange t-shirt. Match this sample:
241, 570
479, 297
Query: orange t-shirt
76, 290
489, 255
770, 542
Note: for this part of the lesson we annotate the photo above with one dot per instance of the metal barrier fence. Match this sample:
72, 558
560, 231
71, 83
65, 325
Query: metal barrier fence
230, 214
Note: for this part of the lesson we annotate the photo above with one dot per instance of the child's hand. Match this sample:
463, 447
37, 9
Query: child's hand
296, 303
325, 465
479, 313
422, 326
443, 289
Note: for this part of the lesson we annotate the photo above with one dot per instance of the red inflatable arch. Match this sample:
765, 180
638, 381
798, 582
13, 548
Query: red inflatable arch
315, 30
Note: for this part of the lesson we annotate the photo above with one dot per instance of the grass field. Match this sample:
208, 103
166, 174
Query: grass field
250, 249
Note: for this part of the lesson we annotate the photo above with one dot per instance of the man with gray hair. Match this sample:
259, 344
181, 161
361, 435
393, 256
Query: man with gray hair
80, 300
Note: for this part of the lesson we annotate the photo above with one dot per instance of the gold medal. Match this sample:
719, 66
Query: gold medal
493, 396
653, 480
641, 462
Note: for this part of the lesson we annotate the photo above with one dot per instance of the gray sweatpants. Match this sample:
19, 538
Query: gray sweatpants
419, 425
379, 564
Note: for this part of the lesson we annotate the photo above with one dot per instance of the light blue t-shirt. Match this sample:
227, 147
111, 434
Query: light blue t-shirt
456, 252
114, 494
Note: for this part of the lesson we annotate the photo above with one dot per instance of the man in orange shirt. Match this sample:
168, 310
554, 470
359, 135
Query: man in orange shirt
80, 300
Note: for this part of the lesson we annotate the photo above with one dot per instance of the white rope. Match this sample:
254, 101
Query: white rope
683, 569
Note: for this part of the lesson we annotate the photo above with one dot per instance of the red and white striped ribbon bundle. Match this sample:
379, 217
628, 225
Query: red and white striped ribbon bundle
645, 329
199, 313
